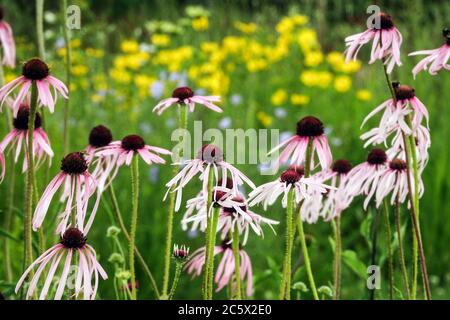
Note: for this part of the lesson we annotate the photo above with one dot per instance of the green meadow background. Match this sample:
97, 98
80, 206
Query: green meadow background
272, 62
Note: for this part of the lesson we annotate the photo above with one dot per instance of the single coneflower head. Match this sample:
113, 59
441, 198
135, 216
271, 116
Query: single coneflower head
377, 156
386, 21
180, 253
35, 69
403, 92
232, 209
182, 93
20, 122
300, 169
397, 164
446, 34
74, 163
310, 127
100, 136
210, 153
290, 176
73, 238
133, 142
341, 166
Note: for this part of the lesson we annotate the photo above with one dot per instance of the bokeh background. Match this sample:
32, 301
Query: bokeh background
273, 62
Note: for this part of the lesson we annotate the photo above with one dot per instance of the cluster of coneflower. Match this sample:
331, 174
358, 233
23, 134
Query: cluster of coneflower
311, 185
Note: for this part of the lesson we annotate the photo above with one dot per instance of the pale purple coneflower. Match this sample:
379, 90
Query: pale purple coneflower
72, 245
295, 147
226, 268
38, 71
209, 157
290, 179
78, 185
18, 138
385, 46
423, 142
99, 137
122, 152
394, 179
185, 96
437, 58
234, 213
336, 199
7, 42
363, 179
394, 115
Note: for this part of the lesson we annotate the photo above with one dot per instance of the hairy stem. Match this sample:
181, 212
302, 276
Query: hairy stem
134, 218
237, 264
176, 279
119, 221
285, 289
183, 116
387, 225
400, 248
66, 34
337, 257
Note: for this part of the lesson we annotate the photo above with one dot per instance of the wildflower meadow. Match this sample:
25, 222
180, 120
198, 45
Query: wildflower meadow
224, 150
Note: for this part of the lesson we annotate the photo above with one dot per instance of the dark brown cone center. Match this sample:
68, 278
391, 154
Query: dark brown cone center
377, 156
73, 239
100, 136
74, 164
310, 127
133, 142
182, 93
35, 69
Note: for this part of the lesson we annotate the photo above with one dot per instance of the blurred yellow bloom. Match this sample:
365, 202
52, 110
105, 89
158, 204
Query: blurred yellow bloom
200, 23
160, 40
209, 47
264, 118
342, 83
75, 43
120, 75
61, 52
279, 97
364, 95
256, 65
285, 25
337, 61
247, 28
129, 46
79, 70
9, 77
300, 19
311, 78
174, 58
143, 83
233, 44
95, 53
313, 58
307, 40
97, 98
299, 99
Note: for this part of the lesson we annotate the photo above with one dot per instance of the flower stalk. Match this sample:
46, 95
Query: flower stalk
66, 34
210, 241
400, 248
285, 290
389, 248
337, 257
237, 264
134, 218
176, 279
182, 119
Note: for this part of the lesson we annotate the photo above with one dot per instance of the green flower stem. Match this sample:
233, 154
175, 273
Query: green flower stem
118, 217
40, 27
66, 34
387, 225
182, 119
411, 161
29, 187
8, 221
176, 279
134, 217
337, 257
210, 250
285, 289
237, 264
312, 284
400, 248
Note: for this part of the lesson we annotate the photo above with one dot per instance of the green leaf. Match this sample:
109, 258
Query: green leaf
351, 259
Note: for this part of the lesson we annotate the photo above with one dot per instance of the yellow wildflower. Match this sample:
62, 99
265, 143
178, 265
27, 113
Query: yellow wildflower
307, 40
209, 47
313, 58
264, 118
299, 99
75, 43
120, 75
311, 78
160, 40
364, 95
279, 97
247, 28
200, 23
79, 70
129, 46
95, 53
342, 83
